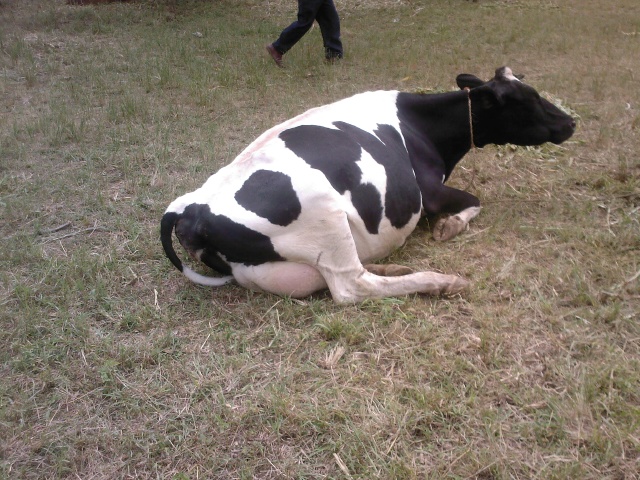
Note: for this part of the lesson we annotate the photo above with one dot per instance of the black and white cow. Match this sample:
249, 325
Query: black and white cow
313, 199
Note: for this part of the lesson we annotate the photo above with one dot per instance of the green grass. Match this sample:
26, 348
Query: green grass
114, 366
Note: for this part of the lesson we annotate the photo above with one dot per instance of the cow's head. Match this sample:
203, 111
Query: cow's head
506, 110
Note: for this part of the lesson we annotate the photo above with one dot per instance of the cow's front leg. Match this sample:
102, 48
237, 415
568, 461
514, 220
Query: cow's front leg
448, 227
439, 199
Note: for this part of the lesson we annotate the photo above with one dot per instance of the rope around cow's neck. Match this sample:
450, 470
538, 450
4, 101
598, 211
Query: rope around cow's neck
473, 146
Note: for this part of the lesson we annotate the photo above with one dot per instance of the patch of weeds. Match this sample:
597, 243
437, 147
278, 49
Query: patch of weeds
137, 320
68, 131
337, 327
30, 73
169, 346
19, 50
561, 470
48, 338
81, 20
55, 454
417, 397
400, 469
548, 428
386, 310
46, 19
107, 372
126, 109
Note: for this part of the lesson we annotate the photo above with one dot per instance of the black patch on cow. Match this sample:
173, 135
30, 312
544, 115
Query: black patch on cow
335, 153
216, 236
366, 198
402, 199
270, 195
331, 151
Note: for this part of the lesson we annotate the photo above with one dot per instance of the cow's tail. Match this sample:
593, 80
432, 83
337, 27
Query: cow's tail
169, 220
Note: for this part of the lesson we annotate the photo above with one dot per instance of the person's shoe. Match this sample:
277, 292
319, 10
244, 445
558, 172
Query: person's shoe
332, 57
275, 54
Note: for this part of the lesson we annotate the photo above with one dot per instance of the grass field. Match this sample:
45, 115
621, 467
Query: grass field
114, 366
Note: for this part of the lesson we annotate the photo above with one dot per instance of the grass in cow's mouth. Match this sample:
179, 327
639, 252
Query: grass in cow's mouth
113, 366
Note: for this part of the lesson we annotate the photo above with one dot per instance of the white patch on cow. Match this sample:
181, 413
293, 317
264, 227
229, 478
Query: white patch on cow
373, 173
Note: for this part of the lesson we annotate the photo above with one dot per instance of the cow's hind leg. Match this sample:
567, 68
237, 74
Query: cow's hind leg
298, 280
388, 270
347, 289
329, 258
350, 282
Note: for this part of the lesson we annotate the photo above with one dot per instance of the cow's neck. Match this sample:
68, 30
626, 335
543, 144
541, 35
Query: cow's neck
441, 121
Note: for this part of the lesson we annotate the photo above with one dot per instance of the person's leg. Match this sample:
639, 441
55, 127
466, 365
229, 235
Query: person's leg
329, 22
307, 11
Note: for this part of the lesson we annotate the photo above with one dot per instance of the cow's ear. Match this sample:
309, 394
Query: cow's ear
486, 97
466, 80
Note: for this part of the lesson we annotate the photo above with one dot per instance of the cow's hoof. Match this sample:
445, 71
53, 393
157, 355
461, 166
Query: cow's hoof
457, 285
448, 227
390, 270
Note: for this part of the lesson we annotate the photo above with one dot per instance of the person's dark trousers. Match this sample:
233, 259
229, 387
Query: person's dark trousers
324, 11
